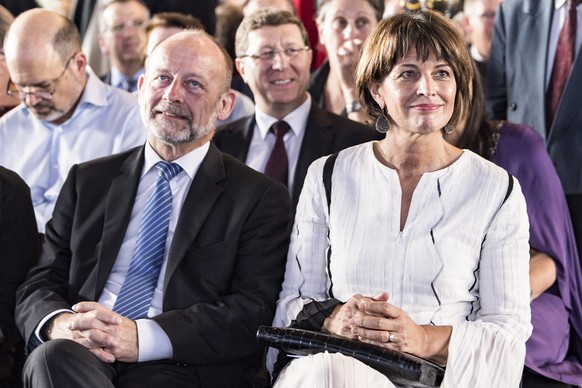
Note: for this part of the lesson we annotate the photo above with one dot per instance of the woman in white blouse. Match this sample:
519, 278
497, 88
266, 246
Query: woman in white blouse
428, 242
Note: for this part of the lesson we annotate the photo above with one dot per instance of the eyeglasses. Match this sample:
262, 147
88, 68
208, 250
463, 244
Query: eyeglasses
120, 27
488, 15
269, 55
42, 92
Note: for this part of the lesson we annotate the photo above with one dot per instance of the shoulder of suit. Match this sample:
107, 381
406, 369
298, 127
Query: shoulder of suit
109, 162
235, 126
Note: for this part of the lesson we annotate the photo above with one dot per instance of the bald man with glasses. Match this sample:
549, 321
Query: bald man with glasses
67, 114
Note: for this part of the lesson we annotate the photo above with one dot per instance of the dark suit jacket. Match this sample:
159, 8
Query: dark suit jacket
225, 265
19, 246
516, 77
19, 249
325, 134
106, 78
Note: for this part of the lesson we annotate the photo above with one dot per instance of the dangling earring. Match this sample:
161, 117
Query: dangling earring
382, 123
448, 128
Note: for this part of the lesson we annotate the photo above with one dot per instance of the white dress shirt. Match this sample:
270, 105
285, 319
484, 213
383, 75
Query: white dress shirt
119, 80
461, 259
106, 121
154, 344
557, 24
263, 141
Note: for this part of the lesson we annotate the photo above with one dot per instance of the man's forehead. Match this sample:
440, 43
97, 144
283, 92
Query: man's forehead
274, 34
184, 56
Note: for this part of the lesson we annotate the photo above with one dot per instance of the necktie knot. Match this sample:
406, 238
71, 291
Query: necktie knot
129, 84
280, 128
168, 170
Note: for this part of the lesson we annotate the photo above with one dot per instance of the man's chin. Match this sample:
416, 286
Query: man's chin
48, 115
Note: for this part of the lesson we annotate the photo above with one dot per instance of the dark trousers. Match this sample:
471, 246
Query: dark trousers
65, 363
575, 207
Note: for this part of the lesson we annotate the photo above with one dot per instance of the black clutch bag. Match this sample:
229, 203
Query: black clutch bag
400, 368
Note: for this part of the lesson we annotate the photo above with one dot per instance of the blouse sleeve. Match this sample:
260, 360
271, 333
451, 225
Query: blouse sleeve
491, 347
305, 273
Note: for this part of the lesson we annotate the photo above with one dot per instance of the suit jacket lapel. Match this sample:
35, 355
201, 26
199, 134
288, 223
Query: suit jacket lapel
535, 25
237, 143
569, 107
317, 141
203, 193
117, 214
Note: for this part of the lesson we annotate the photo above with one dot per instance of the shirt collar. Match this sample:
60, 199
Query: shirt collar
296, 119
559, 3
95, 92
117, 78
189, 162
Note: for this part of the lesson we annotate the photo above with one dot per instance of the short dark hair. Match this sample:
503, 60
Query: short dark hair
6, 19
378, 6
267, 17
228, 18
429, 32
173, 19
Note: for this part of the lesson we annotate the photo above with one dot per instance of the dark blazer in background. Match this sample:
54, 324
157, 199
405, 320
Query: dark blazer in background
19, 250
225, 266
201, 9
516, 78
325, 133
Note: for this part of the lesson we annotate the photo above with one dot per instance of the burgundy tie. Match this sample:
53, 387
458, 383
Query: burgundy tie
278, 164
563, 62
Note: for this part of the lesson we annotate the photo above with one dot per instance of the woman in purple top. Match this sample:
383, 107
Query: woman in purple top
554, 349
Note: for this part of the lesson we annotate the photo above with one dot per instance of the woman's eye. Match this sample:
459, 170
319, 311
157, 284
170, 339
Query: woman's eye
407, 74
361, 23
340, 23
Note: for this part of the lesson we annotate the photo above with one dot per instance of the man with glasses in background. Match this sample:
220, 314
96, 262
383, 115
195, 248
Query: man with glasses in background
288, 131
122, 39
477, 24
67, 115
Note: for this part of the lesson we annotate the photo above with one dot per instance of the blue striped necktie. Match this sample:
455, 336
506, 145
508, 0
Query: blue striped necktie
135, 296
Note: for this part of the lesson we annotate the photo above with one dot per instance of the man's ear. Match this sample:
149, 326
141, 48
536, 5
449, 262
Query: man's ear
79, 62
226, 105
241, 68
102, 45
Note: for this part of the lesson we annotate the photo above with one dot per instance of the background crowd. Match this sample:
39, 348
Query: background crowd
425, 244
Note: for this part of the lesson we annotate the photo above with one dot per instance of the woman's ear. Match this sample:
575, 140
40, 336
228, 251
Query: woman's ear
376, 95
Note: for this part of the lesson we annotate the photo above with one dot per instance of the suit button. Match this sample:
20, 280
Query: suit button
513, 106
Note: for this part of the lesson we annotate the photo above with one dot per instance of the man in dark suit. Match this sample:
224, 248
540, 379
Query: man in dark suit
274, 58
222, 255
519, 80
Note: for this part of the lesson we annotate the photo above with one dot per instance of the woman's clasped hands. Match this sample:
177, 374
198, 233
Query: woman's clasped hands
375, 321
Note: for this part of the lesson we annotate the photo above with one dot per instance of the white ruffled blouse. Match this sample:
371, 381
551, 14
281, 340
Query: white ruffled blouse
462, 258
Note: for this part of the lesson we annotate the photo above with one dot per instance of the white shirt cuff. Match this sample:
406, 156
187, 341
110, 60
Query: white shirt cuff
45, 320
153, 341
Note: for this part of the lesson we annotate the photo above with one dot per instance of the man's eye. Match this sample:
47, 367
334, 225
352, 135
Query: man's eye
161, 80
192, 85
117, 27
270, 54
